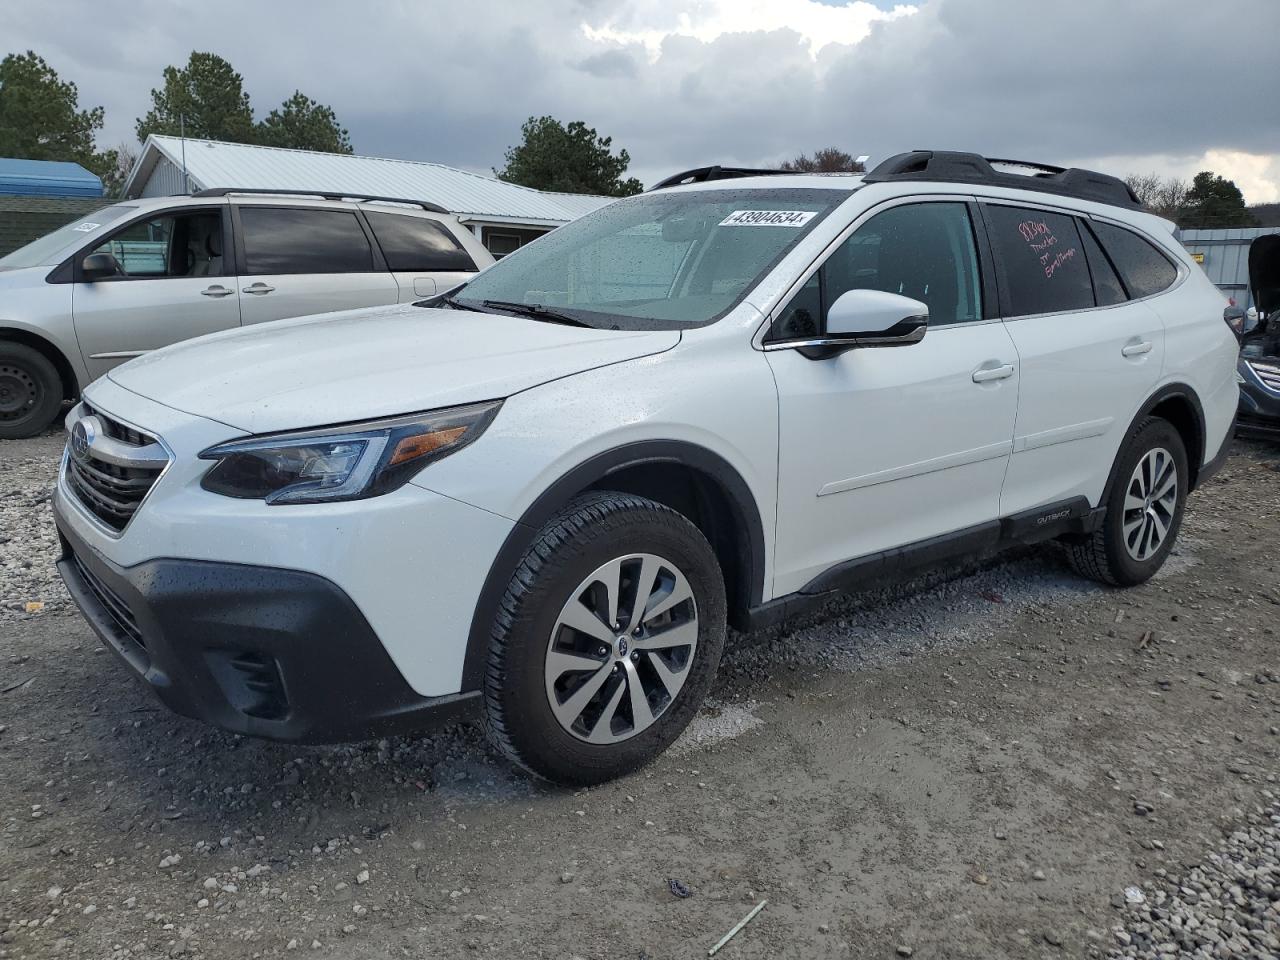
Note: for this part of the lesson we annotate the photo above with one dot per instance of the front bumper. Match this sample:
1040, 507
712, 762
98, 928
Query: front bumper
261, 651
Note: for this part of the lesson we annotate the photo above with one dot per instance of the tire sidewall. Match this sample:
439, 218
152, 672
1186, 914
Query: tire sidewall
642, 527
1151, 434
49, 384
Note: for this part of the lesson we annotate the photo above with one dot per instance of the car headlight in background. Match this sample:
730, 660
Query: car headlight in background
349, 462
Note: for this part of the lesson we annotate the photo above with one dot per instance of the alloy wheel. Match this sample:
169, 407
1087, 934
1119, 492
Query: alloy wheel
621, 649
1150, 503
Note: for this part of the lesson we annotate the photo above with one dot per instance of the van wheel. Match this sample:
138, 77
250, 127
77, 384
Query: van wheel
606, 642
30, 391
1144, 509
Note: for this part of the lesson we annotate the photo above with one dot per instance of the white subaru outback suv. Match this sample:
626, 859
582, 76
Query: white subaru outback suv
142, 274
543, 496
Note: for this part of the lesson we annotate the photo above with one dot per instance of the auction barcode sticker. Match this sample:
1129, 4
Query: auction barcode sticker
767, 218
86, 227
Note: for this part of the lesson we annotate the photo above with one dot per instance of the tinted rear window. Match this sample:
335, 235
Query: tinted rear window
1143, 268
1043, 265
415, 243
283, 240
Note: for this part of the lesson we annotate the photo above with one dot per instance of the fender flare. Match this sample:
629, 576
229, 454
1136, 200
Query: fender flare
586, 474
1167, 392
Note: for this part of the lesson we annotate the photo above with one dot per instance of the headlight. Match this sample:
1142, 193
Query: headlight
342, 463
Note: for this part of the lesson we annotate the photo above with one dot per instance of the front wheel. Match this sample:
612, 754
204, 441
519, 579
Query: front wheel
30, 391
1144, 509
607, 640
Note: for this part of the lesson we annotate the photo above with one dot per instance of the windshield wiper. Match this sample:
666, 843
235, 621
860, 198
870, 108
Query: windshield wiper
535, 311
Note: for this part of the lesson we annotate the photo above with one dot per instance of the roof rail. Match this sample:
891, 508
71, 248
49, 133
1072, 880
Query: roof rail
227, 191
952, 167
703, 174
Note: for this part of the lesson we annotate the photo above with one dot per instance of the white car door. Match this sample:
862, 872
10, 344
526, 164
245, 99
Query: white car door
880, 448
423, 254
173, 283
1089, 355
296, 261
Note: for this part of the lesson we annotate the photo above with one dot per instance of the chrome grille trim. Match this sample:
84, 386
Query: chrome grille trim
109, 467
1268, 373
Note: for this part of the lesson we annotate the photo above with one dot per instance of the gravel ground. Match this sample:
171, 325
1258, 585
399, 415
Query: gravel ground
1000, 761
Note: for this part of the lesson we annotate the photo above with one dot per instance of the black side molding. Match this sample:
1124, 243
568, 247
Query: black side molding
1074, 516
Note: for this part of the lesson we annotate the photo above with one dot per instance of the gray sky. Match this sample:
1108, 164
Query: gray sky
1171, 86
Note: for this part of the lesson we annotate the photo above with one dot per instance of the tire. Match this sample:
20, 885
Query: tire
30, 391
1109, 554
538, 709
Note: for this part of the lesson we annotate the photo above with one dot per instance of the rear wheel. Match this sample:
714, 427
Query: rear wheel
30, 391
1144, 509
607, 640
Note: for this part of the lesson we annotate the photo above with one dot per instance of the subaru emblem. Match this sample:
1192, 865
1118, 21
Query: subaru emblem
82, 437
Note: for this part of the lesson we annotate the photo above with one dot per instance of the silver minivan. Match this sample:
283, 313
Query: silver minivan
142, 274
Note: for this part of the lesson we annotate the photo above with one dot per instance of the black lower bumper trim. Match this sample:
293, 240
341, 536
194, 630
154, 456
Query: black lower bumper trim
261, 651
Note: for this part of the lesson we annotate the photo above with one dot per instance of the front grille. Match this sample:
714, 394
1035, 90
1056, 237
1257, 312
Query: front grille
112, 604
112, 492
1268, 373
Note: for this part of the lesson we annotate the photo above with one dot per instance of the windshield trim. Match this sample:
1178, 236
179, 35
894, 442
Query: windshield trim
628, 321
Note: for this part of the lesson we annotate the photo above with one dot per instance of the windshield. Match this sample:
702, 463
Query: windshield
662, 261
52, 247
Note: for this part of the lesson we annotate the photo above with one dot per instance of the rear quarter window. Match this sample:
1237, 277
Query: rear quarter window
1144, 269
1043, 268
417, 244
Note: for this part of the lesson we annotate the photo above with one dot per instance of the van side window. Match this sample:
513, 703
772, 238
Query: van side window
417, 244
279, 240
173, 245
1143, 268
925, 251
1042, 260
1107, 289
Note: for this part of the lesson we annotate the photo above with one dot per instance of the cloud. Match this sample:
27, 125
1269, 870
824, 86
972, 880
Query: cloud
651, 22
681, 83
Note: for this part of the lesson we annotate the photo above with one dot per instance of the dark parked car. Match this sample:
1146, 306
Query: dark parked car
1259, 368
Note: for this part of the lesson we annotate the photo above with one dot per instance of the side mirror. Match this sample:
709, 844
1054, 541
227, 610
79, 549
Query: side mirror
869, 318
99, 266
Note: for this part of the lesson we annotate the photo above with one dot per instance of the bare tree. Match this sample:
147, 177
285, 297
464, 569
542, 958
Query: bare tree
1165, 197
826, 160
119, 162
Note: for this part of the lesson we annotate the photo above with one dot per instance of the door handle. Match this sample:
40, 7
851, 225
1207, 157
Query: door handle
259, 289
1136, 348
987, 374
217, 290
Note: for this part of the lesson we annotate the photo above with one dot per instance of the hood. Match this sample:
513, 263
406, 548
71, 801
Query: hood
364, 364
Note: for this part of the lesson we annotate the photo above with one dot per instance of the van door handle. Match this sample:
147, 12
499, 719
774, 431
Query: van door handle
217, 290
259, 289
1136, 348
987, 374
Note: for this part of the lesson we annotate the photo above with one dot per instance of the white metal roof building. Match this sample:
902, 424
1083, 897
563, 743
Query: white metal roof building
503, 215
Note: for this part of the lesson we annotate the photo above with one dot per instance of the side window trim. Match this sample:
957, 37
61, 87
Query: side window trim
69, 271
1085, 223
761, 339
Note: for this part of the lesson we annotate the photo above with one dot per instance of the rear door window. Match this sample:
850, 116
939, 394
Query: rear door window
280, 240
1143, 268
416, 244
1043, 268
